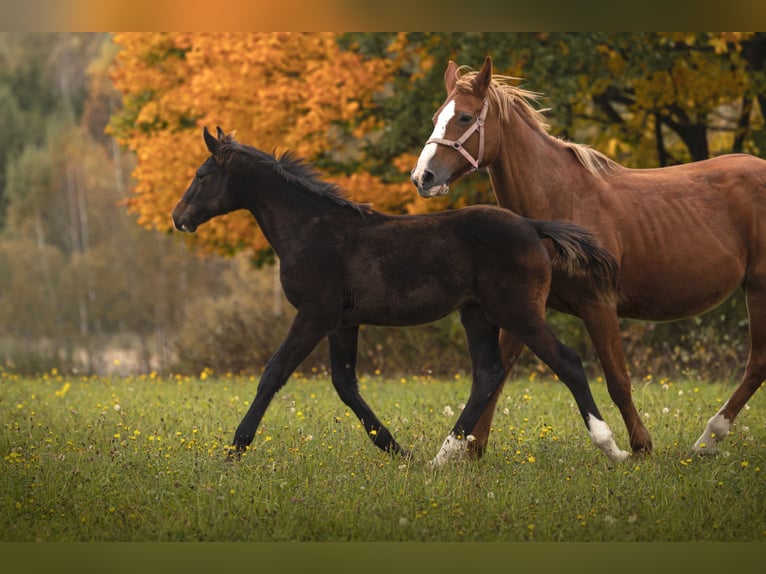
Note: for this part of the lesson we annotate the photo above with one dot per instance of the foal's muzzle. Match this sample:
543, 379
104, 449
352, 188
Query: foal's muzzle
180, 225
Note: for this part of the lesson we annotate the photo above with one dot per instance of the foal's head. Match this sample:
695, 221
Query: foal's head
209, 194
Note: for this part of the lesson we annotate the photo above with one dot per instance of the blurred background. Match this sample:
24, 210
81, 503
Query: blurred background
102, 134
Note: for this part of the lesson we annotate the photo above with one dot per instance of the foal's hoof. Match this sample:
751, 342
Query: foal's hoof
705, 449
405, 454
618, 456
234, 453
453, 448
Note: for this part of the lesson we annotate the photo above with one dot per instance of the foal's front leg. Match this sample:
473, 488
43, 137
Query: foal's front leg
305, 333
343, 351
488, 374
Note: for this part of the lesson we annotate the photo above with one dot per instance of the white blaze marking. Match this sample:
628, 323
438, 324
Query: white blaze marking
601, 435
440, 129
717, 429
452, 447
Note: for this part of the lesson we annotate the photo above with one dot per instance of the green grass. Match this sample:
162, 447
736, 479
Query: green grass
141, 459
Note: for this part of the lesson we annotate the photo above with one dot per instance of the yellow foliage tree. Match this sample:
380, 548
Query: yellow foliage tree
277, 90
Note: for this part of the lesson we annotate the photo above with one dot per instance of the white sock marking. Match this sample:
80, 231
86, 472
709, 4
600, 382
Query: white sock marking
452, 447
601, 435
716, 430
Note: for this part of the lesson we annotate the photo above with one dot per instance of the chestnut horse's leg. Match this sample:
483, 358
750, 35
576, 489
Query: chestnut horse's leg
510, 350
343, 352
604, 329
487, 374
755, 372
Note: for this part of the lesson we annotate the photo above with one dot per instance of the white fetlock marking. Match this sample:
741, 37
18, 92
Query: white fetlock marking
601, 435
452, 447
717, 429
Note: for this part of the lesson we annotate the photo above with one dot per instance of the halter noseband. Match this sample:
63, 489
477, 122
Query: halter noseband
458, 143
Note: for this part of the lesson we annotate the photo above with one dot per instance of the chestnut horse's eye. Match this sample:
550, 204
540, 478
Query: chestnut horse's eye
464, 119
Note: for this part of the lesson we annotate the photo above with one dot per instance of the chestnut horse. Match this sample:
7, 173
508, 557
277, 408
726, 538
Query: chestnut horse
685, 237
344, 264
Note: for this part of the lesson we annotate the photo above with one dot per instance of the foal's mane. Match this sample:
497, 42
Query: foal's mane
508, 97
295, 170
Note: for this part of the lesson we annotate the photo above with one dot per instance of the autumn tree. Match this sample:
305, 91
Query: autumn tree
301, 92
360, 106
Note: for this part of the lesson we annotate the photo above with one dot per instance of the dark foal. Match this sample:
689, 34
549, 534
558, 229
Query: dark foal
344, 264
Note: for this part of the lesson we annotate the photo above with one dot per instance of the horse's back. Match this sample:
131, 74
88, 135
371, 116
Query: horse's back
721, 179
685, 235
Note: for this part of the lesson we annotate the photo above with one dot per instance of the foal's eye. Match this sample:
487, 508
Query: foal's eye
464, 119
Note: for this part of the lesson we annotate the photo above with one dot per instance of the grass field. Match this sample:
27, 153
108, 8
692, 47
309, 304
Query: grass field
142, 459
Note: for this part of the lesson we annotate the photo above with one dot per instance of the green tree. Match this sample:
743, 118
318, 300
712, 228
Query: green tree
647, 99
77, 275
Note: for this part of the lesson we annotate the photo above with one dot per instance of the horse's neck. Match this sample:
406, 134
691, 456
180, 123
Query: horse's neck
533, 174
279, 213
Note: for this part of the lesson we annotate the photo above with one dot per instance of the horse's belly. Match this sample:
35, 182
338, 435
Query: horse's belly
678, 293
396, 315
417, 304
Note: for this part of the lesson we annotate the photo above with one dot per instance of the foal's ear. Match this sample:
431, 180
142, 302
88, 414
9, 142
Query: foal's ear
481, 82
213, 144
450, 77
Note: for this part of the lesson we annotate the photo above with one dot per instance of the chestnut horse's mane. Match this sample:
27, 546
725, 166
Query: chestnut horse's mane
508, 97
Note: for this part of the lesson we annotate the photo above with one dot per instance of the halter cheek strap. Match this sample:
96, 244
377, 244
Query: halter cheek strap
458, 143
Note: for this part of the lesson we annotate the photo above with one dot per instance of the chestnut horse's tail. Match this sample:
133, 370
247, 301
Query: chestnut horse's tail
578, 253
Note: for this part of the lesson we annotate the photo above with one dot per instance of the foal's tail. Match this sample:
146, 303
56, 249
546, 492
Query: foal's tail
578, 253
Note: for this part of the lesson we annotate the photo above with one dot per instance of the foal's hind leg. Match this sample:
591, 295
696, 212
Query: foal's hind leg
510, 350
488, 374
755, 372
565, 362
343, 350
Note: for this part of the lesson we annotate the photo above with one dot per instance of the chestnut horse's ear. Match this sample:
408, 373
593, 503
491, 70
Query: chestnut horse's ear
450, 77
213, 145
482, 80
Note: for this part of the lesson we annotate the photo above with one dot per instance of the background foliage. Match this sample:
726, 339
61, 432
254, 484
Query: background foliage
103, 132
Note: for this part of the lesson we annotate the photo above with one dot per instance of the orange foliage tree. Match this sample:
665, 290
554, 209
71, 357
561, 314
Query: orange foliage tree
276, 90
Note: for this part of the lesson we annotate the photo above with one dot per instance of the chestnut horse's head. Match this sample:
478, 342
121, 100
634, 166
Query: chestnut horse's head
460, 141
209, 193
